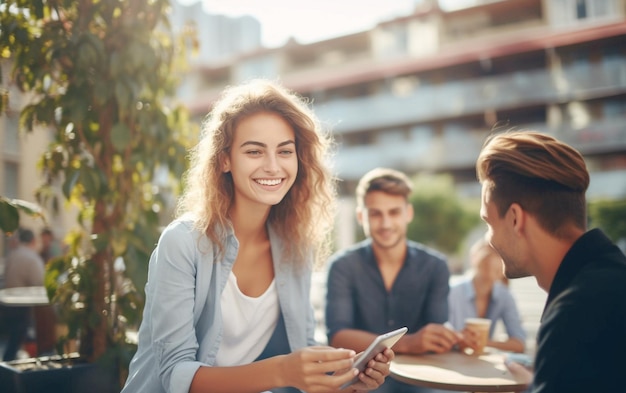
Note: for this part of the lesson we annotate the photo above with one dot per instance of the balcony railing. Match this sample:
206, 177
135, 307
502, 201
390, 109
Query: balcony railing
459, 151
599, 137
455, 99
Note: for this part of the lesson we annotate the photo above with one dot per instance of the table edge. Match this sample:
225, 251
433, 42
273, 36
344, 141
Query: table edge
512, 387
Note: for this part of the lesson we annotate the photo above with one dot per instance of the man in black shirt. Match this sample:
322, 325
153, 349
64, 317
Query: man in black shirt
533, 201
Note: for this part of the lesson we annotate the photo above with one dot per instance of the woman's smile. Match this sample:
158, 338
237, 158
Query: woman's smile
269, 182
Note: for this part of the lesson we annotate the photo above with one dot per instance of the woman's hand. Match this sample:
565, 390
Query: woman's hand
375, 373
315, 369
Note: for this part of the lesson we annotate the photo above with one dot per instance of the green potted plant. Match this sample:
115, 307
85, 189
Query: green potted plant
100, 74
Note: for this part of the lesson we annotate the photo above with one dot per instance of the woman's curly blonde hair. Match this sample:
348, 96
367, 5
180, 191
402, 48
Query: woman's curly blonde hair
304, 217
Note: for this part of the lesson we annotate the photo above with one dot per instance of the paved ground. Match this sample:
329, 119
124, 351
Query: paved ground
529, 297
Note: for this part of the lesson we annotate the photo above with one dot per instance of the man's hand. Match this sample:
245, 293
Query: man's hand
519, 372
433, 337
469, 339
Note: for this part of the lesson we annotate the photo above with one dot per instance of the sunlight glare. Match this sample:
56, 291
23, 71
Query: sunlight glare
309, 21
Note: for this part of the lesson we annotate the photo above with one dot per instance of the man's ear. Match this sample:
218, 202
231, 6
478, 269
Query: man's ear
359, 215
410, 212
517, 216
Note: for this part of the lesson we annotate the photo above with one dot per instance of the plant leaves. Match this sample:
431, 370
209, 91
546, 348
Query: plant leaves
9, 216
69, 183
90, 181
120, 136
32, 209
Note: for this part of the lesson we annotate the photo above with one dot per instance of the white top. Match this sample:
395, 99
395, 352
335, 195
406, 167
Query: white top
249, 323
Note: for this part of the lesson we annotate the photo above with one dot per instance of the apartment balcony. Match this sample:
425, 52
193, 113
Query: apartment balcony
605, 184
457, 150
598, 137
426, 153
461, 98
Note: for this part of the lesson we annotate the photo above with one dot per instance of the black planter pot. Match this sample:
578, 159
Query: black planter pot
56, 374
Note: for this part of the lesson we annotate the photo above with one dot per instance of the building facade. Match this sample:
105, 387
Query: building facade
421, 92
19, 159
219, 36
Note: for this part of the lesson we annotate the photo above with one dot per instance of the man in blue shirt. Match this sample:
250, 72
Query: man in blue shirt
387, 281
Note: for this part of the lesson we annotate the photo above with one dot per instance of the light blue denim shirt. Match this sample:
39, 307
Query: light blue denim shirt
182, 320
461, 301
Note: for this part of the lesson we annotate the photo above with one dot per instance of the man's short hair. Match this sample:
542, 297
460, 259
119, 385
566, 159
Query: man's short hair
546, 177
389, 181
25, 236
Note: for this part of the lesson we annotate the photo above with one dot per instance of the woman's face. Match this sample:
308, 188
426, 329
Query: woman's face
262, 159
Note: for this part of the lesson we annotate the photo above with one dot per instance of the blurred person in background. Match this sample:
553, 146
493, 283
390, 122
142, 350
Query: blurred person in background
24, 268
387, 281
50, 246
483, 295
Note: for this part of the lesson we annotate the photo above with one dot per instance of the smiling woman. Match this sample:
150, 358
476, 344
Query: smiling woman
227, 299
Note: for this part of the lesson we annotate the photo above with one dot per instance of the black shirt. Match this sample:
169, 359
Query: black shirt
581, 344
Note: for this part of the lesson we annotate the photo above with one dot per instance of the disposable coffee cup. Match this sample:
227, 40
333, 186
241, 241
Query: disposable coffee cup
481, 326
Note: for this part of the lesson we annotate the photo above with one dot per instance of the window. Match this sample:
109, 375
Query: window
601, 8
260, 67
10, 186
567, 12
11, 134
613, 108
581, 9
392, 40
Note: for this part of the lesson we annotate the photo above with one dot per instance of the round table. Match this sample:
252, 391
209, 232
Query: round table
456, 371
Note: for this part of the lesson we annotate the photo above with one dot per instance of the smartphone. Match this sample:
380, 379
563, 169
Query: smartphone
377, 346
521, 358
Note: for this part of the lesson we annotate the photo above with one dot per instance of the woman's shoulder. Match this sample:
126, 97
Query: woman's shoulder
184, 231
183, 236
501, 291
461, 285
179, 227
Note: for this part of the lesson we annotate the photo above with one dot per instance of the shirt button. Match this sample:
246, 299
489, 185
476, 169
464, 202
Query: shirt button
390, 322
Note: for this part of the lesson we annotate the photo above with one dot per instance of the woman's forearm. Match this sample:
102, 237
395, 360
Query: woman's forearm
253, 378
